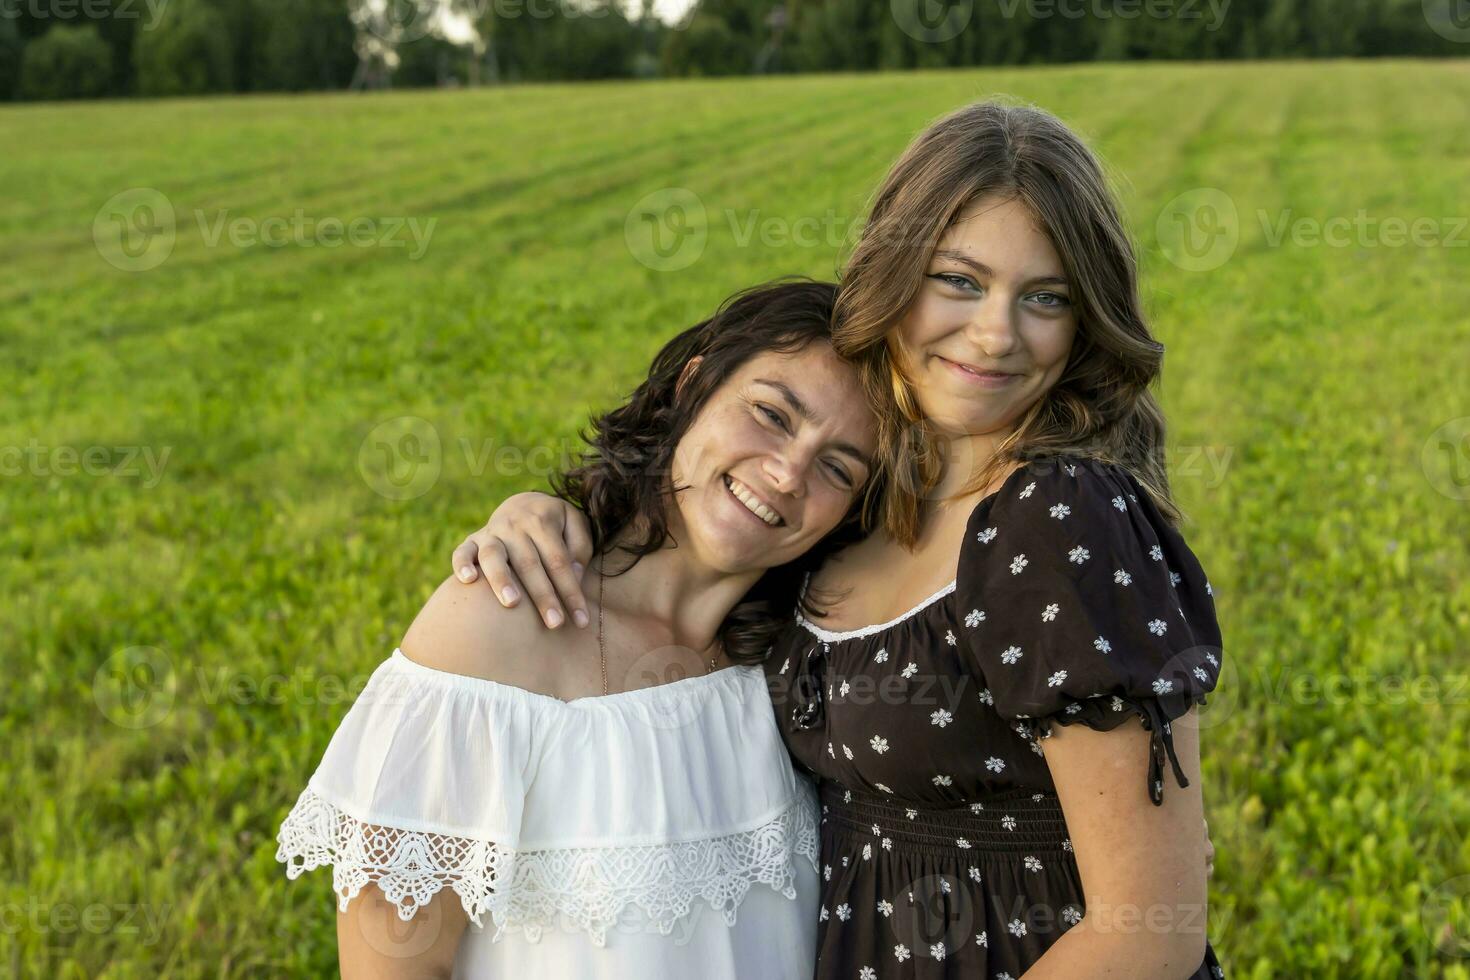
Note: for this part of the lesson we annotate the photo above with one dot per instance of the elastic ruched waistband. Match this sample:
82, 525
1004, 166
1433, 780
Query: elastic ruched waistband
1003, 822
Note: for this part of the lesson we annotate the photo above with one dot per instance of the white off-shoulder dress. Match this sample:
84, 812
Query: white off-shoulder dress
652, 833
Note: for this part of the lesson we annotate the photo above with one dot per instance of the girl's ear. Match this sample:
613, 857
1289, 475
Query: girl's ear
687, 373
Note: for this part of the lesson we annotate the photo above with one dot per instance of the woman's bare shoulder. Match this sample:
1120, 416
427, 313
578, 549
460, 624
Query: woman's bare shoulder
463, 629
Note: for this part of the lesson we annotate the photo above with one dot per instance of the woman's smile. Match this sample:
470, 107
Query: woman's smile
751, 503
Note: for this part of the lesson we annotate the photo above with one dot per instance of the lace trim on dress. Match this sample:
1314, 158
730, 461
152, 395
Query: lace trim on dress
529, 891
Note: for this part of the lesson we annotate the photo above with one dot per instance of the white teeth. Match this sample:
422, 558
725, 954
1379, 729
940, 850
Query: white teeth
751, 502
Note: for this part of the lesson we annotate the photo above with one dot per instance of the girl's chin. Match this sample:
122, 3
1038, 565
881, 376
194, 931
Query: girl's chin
963, 422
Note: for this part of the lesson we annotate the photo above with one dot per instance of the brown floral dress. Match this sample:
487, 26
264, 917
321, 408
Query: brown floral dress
944, 850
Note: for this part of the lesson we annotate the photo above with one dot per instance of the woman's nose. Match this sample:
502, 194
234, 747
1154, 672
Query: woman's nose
785, 474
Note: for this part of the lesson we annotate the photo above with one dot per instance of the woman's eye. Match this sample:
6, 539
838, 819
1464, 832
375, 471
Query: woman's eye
840, 474
773, 415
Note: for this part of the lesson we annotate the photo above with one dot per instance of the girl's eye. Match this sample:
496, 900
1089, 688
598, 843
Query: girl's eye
1053, 299
956, 280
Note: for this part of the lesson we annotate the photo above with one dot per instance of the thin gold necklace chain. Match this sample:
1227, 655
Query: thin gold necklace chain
602, 650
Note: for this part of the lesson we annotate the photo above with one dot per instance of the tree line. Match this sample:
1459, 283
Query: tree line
58, 49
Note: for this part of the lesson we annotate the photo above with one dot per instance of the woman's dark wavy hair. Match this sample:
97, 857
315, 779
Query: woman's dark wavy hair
621, 480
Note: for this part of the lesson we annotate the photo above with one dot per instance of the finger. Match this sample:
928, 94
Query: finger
463, 561
526, 560
498, 573
579, 545
578, 534
565, 574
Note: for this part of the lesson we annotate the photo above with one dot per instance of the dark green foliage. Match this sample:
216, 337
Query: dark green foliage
70, 62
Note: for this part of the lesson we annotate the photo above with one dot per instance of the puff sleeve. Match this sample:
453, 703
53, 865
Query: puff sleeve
1083, 605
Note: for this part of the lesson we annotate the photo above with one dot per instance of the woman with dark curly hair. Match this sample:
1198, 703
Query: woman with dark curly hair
613, 803
1003, 679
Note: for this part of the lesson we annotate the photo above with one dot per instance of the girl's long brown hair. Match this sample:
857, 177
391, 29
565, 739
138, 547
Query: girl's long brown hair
1101, 407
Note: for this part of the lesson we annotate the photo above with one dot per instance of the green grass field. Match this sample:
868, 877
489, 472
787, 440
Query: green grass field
217, 518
